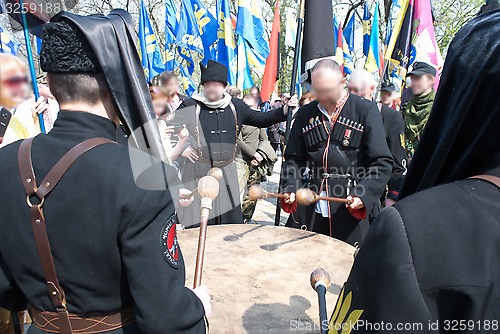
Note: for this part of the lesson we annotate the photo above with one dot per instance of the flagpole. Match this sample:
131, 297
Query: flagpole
31, 62
296, 56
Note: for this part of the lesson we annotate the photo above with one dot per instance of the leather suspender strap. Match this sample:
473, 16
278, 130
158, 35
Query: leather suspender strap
488, 178
38, 220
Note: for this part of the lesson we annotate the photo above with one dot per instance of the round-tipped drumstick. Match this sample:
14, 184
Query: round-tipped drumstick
305, 196
256, 192
321, 282
214, 172
208, 187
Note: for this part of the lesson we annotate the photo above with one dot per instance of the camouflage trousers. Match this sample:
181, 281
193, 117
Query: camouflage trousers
247, 177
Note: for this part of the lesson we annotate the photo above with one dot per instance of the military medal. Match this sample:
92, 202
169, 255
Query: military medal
347, 137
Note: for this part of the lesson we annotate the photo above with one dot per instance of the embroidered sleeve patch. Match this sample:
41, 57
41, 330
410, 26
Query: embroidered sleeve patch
169, 243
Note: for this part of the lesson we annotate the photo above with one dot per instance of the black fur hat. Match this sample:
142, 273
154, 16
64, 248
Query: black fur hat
214, 71
65, 49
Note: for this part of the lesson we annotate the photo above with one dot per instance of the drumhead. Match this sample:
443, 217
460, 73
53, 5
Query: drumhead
258, 276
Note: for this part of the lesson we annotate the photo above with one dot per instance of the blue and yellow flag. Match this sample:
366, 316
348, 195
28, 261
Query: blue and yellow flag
226, 47
207, 26
373, 60
349, 32
8, 43
170, 62
250, 25
342, 53
244, 75
366, 29
188, 35
197, 30
186, 82
149, 50
391, 20
170, 22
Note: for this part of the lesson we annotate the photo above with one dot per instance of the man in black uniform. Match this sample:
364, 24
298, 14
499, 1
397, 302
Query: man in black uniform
363, 83
107, 259
214, 120
430, 262
339, 142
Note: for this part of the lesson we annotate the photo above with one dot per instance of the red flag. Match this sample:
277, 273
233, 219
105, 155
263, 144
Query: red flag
269, 82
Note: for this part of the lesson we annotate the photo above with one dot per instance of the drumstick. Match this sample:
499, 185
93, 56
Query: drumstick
256, 192
305, 196
208, 187
320, 282
214, 172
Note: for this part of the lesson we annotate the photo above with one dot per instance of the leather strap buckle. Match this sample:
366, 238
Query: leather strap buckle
28, 201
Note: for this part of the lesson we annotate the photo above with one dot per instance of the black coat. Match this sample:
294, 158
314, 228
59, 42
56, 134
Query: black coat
394, 131
361, 152
105, 233
218, 136
431, 257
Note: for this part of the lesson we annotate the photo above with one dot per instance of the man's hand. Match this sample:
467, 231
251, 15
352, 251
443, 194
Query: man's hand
258, 157
254, 163
39, 106
190, 154
290, 199
202, 293
356, 203
184, 197
291, 104
388, 202
183, 134
167, 131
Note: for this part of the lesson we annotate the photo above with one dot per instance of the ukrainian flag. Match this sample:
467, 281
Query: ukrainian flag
373, 60
8, 43
226, 47
250, 25
149, 50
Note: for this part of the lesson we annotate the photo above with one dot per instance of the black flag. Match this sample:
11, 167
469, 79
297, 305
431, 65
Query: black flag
318, 38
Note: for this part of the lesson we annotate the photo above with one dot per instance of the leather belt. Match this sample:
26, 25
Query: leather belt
213, 163
51, 322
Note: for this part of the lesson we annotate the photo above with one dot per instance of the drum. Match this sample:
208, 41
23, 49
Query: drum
258, 276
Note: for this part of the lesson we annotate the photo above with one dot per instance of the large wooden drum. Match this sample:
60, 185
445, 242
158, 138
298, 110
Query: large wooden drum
258, 276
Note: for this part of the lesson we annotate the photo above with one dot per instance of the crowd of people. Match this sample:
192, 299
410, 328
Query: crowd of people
258, 148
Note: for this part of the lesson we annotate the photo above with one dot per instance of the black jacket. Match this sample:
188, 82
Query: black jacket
394, 131
431, 257
367, 154
218, 127
105, 233
358, 149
